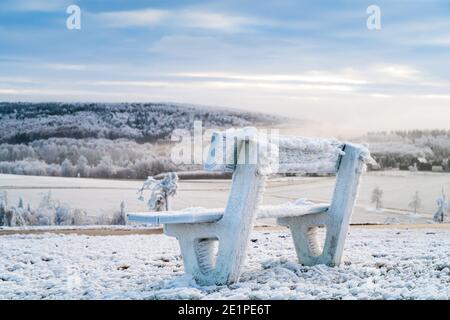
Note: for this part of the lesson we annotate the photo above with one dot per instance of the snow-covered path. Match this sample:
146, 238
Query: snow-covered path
380, 264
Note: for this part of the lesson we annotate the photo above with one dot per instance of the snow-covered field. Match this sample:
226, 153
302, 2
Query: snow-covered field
103, 197
380, 264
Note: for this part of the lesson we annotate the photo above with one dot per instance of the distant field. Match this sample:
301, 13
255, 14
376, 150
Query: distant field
100, 197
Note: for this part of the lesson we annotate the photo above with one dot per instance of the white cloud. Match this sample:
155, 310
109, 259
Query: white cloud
211, 20
65, 66
16, 80
35, 5
307, 77
380, 95
244, 85
397, 71
199, 19
434, 96
136, 18
198, 47
8, 91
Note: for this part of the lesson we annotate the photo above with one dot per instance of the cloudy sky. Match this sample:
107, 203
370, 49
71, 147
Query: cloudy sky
312, 60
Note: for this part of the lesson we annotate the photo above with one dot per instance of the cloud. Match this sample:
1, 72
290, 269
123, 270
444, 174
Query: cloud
35, 5
227, 85
186, 18
8, 91
16, 80
135, 18
212, 20
397, 71
65, 66
314, 76
434, 96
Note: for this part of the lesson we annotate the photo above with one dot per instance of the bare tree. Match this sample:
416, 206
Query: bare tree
416, 202
377, 196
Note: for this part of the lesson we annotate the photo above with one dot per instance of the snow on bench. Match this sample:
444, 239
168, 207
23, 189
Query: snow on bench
251, 157
201, 215
284, 154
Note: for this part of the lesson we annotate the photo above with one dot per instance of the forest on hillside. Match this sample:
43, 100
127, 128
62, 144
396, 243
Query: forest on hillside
121, 140
403, 149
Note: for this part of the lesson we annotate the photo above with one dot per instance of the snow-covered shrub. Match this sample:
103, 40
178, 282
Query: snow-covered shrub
63, 215
443, 209
160, 191
391, 220
50, 212
3, 206
79, 217
17, 217
119, 217
2, 215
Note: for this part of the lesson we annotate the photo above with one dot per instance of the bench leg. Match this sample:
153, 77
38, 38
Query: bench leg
189, 255
304, 231
197, 243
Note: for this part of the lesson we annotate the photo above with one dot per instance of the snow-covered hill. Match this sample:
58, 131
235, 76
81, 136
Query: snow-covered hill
144, 122
125, 141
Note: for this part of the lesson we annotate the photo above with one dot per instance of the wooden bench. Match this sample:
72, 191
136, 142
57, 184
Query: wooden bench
251, 158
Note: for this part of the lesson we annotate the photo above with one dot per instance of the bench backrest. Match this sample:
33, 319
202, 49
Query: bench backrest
287, 154
294, 154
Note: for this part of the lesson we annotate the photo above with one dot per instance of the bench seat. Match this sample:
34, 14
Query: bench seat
202, 215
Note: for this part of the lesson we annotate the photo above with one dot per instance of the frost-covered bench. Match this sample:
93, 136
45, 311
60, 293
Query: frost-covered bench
251, 157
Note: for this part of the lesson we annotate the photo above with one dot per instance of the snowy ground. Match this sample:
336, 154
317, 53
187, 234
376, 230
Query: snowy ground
103, 197
380, 264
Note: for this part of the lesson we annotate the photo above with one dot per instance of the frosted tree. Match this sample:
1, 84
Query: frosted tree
377, 196
45, 213
119, 216
160, 191
20, 205
443, 208
4, 199
416, 202
3, 207
67, 169
105, 168
82, 167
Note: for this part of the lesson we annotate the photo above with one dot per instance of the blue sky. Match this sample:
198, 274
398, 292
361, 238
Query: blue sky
312, 60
